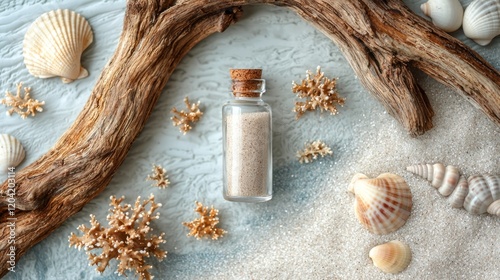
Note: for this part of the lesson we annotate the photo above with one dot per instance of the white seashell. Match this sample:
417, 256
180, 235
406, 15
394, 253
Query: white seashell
445, 179
479, 194
494, 208
391, 257
383, 204
54, 43
482, 21
11, 152
445, 14
483, 191
457, 198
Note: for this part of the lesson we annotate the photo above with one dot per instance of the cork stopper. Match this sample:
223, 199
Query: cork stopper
245, 74
247, 82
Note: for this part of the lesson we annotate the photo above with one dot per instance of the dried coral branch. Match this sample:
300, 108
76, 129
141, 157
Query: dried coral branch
206, 225
160, 176
127, 239
320, 92
23, 106
185, 119
313, 150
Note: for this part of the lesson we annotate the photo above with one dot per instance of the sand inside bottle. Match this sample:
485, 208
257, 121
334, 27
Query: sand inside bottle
247, 150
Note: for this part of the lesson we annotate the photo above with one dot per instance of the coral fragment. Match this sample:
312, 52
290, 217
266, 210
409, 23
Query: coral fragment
23, 106
160, 176
319, 91
185, 120
205, 226
313, 150
127, 239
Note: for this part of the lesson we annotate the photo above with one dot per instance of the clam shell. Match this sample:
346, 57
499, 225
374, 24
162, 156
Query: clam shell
445, 14
54, 43
11, 152
382, 204
391, 257
481, 21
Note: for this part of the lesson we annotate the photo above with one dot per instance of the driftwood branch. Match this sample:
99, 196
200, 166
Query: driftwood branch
380, 39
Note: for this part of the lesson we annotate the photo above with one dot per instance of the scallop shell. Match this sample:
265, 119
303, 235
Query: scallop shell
11, 152
391, 257
383, 204
54, 43
445, 14
481, 21
479, 194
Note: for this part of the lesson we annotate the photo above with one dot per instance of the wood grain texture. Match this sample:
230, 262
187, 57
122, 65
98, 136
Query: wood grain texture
380, 39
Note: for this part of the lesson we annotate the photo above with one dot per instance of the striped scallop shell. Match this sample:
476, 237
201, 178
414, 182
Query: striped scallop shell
481, 21
479, 194
54, 43
382, 204
391, 257
11, 152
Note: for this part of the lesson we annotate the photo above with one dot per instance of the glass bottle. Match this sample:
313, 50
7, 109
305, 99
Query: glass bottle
247, 137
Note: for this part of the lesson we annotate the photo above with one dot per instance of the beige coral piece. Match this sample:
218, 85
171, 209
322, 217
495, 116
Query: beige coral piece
313, 150
319, 92
160, 176
185, 120
205, 226
23, 106
128, 238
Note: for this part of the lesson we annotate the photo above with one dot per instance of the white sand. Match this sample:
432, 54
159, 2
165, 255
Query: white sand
247, 154
308, 230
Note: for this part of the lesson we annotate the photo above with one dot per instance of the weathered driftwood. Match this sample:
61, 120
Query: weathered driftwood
379, 38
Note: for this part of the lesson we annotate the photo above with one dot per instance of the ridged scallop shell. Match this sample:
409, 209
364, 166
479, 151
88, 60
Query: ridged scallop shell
54, 43
382, 204
391, 257
445, 14
482, 21
479, 194
11, 152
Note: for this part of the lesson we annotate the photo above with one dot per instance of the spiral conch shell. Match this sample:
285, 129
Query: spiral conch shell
383, 204
479, 194
445, 14
12, 152
481, 21
391, 257
54, 43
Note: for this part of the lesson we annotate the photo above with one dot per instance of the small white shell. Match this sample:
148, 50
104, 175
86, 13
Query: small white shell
11, 152
382, 204
54, 43
391, 257
482, 21
445, 14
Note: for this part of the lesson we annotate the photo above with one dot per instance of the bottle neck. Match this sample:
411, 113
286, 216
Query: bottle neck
251, 89
250, 99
